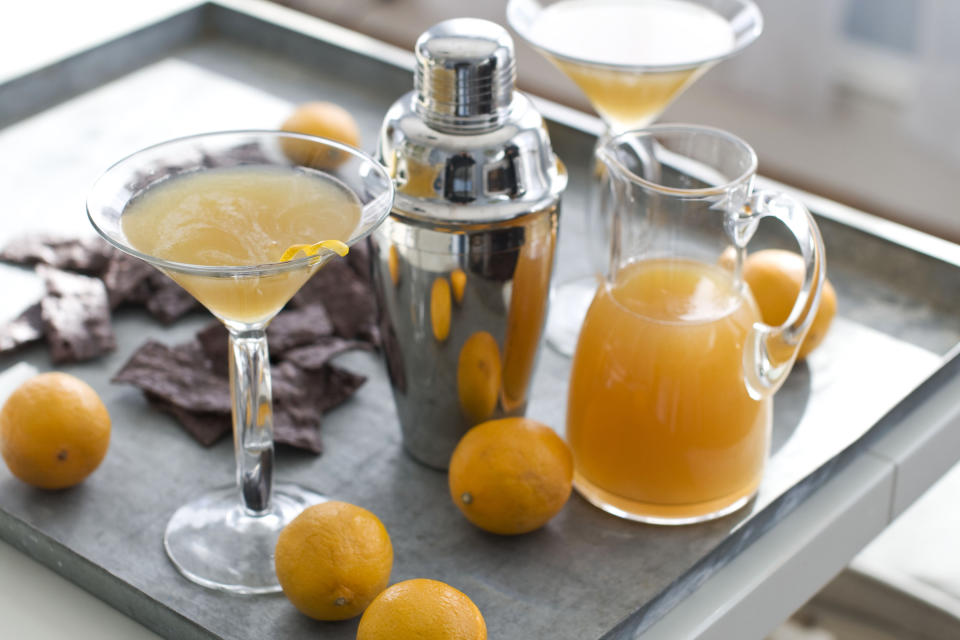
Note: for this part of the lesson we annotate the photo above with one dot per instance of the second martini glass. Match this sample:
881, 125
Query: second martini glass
225, 539
631, 58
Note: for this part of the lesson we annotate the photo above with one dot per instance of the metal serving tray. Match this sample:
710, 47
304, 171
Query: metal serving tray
224, 65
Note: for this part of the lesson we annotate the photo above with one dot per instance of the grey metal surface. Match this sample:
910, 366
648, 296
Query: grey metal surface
586, 574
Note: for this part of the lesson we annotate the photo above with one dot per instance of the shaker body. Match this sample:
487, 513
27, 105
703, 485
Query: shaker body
462, 314
462, 265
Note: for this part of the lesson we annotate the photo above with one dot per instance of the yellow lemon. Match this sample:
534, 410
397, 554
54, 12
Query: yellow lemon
325, 120
510, 476
775, 277
422, 609
333, 560
54, 431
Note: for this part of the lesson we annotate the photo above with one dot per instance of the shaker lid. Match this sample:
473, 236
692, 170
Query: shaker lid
465, 75
464, 147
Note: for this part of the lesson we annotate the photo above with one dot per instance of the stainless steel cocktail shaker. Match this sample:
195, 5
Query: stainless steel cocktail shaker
462, 266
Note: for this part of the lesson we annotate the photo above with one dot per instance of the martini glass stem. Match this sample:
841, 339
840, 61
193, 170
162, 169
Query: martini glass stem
252, 417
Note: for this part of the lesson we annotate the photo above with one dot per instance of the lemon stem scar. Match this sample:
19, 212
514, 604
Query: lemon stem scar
336, 246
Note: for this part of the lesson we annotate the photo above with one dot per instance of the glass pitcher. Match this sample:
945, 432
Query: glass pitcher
670, 403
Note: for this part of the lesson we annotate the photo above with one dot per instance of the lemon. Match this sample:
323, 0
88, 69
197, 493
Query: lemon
325, 120
333, 559
775, 277
422, 609
54, 431
510, 476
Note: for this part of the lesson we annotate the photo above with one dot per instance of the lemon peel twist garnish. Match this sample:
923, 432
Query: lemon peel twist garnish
336, 246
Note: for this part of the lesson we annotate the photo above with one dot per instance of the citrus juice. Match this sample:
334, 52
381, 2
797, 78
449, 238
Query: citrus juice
240, 216
612, 49
659, 418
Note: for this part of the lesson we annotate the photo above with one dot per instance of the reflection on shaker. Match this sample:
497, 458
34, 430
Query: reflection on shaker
440, 308
458, 280
393, 264
528, 307
478, 376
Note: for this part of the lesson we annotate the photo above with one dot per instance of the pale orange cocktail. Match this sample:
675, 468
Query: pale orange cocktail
240, 216
631, 58
659, 418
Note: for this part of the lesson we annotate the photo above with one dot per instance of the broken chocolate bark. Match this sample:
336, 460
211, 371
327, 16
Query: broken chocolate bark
87, 255
75, 315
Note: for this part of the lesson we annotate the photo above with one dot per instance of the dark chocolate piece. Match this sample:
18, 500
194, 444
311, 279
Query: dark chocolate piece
347, 298
180, 375
215, 344
321, 390
314, 356
127, 279
205, 427
359, 259
88, 255
76, 316
298, 327
301, 397
169, 301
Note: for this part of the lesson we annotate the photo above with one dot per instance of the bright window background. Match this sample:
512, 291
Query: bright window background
856, 100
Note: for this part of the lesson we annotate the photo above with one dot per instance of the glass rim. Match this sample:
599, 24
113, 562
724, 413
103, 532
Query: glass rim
258, 270
748, 37
658, 130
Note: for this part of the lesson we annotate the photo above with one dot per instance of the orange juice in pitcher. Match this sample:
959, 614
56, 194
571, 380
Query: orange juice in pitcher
659, 418
671, 392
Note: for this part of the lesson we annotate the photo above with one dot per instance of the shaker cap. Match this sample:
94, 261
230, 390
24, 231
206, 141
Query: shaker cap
465, 75
463, 146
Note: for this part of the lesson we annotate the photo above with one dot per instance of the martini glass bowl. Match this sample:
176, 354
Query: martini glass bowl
225, 539
631, 59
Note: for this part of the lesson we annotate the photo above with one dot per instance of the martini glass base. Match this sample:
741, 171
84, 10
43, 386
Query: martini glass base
568, 308
214, 542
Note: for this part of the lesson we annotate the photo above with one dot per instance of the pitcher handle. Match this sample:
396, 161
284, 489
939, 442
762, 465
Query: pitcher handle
770, 351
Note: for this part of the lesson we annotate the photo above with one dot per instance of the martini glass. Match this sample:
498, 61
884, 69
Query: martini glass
631, 58
225, 538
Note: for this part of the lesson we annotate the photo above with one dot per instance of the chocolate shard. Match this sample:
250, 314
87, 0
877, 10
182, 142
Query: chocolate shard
205, 427
314, 356
298, 426
359, 260
338, 386
180, 375
22, 330
301, 397
127, 279
347, 298
322, 390
88, 255
215, 344
169, 301
297, 327
75, 315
